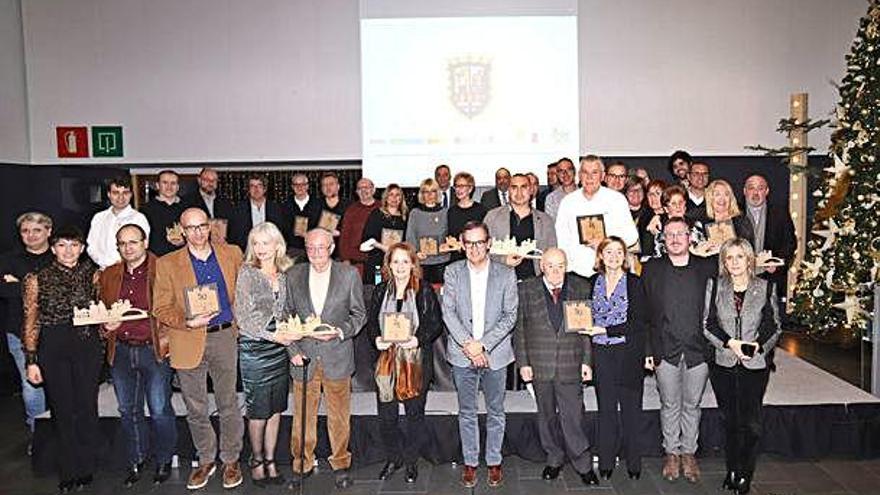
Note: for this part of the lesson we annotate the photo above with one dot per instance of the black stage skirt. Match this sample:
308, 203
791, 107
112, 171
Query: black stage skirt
265, 377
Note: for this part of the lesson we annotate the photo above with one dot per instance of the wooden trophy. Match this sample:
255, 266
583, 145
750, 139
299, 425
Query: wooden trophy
201, 300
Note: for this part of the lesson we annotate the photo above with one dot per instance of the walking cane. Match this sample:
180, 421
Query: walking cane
302, 419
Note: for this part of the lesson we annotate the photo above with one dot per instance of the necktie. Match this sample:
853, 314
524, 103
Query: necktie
504, 198
556, 291
446, 199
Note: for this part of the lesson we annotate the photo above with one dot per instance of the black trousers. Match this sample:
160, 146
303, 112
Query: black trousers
70, 361
740, 394
399, 447
563, 403
618, 429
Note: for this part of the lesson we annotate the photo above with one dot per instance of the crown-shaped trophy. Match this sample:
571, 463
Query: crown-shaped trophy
312, 327
174, 233
508, 246
450, 244
97, 313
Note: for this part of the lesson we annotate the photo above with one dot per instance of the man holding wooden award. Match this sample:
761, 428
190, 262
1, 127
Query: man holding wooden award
554, 356
330, 292
586, 217
193, 296
136, 353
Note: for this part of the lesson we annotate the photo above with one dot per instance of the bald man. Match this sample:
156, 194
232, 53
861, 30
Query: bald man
556, 362
203, 344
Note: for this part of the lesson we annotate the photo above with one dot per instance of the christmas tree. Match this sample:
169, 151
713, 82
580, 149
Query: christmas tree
840, 265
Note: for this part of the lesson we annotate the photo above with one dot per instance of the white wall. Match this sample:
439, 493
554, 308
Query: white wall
202, 80
14, 147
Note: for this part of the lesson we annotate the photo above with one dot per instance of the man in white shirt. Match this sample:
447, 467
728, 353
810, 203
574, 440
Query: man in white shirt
596, 201
480, 325
698, 179
102, 232
443, 177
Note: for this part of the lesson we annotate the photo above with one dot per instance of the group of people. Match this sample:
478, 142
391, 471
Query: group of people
654, 305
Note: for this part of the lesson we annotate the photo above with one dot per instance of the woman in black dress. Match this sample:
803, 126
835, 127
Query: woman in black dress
404, 291
464, 209
385, 226
260, 296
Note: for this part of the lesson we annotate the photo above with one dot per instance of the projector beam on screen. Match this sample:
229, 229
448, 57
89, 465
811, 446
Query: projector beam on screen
476, 93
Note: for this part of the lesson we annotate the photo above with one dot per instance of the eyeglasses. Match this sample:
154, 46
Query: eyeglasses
300, 184
122, 244
616, 176
475, 244
192, 229
677, 235
316, 249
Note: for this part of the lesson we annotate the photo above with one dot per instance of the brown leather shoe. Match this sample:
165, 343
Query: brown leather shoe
671, 466
495, 477
469, 476
690, 468
198, 478
231, 475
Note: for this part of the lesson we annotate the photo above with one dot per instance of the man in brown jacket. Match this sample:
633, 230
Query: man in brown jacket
136, 354
203, 344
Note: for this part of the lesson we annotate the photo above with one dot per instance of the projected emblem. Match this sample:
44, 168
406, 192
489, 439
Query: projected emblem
469, 85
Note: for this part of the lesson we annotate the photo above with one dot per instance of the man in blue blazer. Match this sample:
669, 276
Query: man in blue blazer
480, 322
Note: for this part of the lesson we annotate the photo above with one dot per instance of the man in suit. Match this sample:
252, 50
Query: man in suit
443, 177
206, 197
480, 323
256, 210
521, 222
332, 291
774, 230
555, 362
305, 211
137, 354
203, 344
497, 196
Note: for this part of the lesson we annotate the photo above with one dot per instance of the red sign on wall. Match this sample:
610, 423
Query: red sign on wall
73, 142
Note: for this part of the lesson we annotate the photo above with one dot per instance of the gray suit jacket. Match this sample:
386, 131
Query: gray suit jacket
343, 308
500, 313
552, 354
498, 221
759, 320
490, 198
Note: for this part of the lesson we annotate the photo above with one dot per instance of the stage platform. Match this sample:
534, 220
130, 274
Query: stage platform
809, 414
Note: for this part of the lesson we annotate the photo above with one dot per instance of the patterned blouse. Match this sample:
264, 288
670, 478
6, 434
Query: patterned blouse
609, 311
51, 294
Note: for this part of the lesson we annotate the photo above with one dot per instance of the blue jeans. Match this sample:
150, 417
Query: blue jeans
468, 382
34, 398
138, 376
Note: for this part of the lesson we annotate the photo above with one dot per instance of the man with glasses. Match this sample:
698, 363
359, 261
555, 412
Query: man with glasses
101, 240
206, 197
352, 231
340, 307
675, 287
203, 344
615, 176
136, 353
305, 211
565, 176
605, 210
479, 310
698, 179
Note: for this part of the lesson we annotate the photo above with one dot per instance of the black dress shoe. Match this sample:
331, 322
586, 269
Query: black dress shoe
133, 475
298, 479
743, 484
66, 486
589, 478
634, 475
606, 473
729, 482
343, 479
83, 482
388, 469
412, 473
551, 472
163, 472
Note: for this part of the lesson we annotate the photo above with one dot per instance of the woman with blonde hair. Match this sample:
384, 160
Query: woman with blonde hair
721, 206
260, 297
384, 224
427, 229
403, 291
742, 323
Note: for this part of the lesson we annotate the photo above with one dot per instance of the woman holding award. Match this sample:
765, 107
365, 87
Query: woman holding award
724, 219
742, 323
403, 321
385, 226
618, 356
426, 230
260, 297
64, 357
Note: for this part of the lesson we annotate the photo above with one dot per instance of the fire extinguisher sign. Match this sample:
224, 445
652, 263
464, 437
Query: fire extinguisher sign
73, 142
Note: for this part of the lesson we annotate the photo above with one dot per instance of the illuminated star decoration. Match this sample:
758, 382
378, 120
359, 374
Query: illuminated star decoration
852, 307
828, 233
839, 167
811, 270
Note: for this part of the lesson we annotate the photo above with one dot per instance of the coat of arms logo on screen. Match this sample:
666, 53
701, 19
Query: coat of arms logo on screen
469, 84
